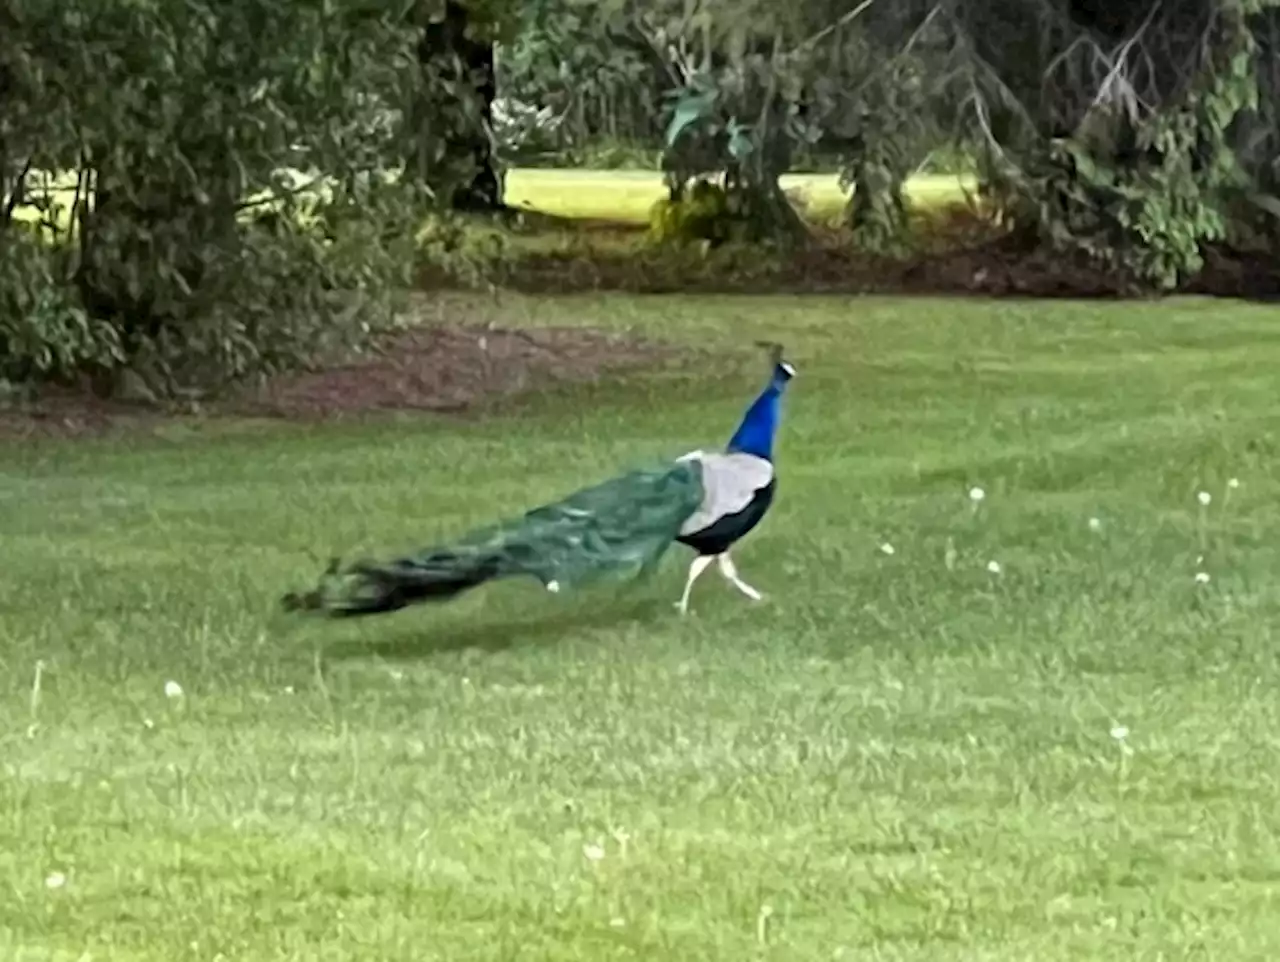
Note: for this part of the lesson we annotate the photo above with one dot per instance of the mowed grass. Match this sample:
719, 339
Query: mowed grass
898, 756
627, 195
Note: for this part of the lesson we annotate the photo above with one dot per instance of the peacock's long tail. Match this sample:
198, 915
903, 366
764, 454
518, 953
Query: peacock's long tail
623, 525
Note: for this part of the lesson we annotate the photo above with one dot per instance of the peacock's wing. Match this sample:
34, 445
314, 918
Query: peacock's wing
621, 525
729, 482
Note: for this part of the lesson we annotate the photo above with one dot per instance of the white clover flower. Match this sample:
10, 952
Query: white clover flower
55, 880
993, 567
1205, 498
976, 494
762, 923
553, 586
593, 852
886, 548
1233, 483
1202, 578
172, 689
1095, 524
1119, 733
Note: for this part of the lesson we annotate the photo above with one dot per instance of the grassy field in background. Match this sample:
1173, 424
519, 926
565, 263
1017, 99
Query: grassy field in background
901, 755
627, 195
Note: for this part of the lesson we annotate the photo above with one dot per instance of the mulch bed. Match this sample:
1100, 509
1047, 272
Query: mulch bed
444, 369
452, 368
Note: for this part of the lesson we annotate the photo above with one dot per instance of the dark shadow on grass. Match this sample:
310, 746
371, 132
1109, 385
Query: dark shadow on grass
424, 641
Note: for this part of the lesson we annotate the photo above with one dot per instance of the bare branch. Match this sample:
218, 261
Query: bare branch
831, 28
19, 192
276, 195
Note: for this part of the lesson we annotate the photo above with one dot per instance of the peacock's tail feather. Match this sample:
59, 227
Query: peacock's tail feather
623, 525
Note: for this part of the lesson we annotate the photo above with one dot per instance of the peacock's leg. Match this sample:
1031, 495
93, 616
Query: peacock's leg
730, 571
696, 567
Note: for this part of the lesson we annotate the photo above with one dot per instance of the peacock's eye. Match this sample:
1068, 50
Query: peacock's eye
791, 371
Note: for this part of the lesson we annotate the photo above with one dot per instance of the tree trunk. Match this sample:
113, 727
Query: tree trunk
465, 63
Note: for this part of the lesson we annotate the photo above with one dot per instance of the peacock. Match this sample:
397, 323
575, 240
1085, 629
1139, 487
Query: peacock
706, 500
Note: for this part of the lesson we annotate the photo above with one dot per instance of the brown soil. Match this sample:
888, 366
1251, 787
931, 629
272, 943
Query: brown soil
453, 368
821, 270
999, 267
446, 369
1002, 269
63, 413
450, 369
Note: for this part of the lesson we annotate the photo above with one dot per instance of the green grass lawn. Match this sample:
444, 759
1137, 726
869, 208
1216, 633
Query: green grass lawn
898, 756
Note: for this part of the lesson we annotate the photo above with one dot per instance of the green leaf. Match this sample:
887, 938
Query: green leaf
1267, 202
693, 106
740, 145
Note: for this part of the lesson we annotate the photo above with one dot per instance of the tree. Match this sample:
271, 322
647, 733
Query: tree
185, 241
450, 133
588, 74
1111, 131
761, 82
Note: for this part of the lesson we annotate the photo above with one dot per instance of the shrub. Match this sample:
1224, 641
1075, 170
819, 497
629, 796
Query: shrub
187, 235
45, 332
702, 213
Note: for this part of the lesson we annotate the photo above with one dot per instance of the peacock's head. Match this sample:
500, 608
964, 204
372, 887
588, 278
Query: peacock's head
783, 371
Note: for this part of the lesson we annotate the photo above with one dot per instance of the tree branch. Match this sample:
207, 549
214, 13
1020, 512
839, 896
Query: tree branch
18, 194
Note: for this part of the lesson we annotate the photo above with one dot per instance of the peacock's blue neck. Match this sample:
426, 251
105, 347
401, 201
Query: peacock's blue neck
760, 424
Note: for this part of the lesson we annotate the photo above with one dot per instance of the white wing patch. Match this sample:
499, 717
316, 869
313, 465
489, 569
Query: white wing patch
729, 482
